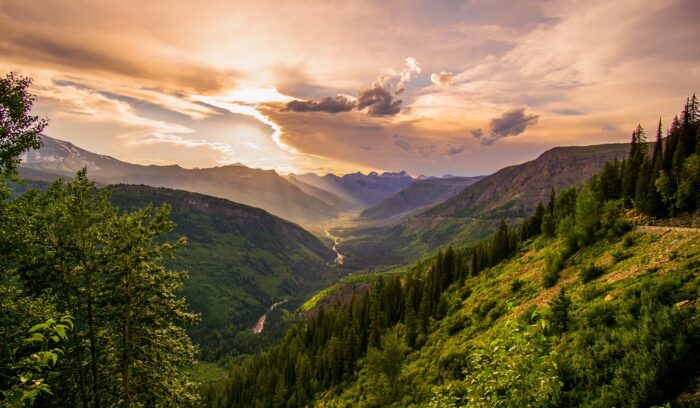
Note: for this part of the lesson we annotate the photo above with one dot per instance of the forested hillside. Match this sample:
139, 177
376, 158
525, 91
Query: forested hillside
511, 193
575, 307
240, 261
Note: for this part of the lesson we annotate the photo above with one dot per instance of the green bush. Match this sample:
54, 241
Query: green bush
516, 285
550, 279
589, 272
629, 240
618, 255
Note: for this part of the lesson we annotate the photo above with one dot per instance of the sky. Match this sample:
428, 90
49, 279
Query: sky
430, 87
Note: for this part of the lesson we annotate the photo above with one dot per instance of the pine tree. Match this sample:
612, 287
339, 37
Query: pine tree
499, 244
657, 155
671, 144
610, 181
641, 197
638, 152
559, 309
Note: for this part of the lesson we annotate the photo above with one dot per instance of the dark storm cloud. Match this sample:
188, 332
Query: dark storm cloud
478, 133
327, 104
379, 101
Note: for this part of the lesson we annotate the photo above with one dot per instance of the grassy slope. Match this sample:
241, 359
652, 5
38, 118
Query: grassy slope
653, 256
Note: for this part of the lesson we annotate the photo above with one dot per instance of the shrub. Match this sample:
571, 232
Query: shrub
554, 263
589, 272
516, 285
550, 279
618, 256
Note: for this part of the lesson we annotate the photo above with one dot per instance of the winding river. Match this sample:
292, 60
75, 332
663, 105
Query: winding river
339, 258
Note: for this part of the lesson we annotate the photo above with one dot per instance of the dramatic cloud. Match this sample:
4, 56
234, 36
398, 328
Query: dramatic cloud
174, 82
378, 101
327, 104
455, 150
441, 78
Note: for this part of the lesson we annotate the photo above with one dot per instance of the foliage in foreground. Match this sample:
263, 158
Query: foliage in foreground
113, 330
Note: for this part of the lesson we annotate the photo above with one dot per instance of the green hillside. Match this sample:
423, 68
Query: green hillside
240, 259
573, 307
511, 193
497, 338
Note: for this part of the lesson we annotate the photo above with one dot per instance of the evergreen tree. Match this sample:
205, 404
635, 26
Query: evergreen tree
642, 194
559, 309
638, 152
610, 183
587, 215
499, 244
671, 144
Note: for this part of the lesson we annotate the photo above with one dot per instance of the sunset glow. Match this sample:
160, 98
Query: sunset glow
461, 87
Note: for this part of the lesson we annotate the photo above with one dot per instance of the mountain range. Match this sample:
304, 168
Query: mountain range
307, 199
423, 193
359, 189
511, 193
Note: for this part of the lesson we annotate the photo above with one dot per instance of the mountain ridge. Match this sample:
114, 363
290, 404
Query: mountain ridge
258, 188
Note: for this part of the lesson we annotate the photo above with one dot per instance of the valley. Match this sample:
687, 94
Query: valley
424, 204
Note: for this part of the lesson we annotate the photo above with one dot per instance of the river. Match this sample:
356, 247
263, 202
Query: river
260, 325
339, 258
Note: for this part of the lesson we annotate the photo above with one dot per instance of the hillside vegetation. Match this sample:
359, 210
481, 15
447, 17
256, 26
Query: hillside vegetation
240, 259
574, 307
511, 193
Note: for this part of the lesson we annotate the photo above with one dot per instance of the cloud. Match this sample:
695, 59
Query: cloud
327, 104
512, 123
401, 143
568, 112
441, 78
378, 101
411, 70
455, 150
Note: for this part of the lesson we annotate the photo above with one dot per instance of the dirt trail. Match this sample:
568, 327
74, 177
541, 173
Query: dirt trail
655, 228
